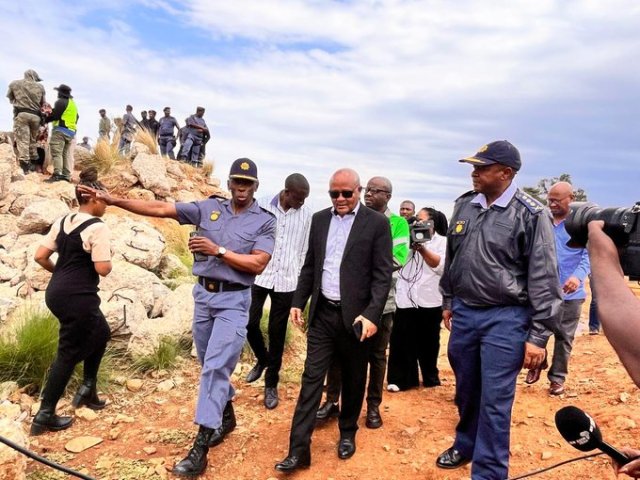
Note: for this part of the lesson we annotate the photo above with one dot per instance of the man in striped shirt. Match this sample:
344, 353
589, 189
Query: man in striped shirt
279, 281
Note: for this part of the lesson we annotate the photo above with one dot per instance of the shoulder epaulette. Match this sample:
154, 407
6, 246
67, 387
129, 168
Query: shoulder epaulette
217, 196
533, 205
467, 194
267, 211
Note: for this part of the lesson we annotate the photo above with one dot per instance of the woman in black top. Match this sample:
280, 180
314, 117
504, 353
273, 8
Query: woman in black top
82, 242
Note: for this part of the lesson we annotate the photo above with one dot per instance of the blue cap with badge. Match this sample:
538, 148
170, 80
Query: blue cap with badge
244, 168
500, 151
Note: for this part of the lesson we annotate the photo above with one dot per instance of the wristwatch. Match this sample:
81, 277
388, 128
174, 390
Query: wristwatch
221, 252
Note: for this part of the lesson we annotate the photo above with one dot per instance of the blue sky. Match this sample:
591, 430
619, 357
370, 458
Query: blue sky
396, 88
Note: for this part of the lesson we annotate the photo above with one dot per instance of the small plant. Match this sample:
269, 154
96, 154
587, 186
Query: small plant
105, 155
27, 353
207, 169
145, 137
177, 239
164, 356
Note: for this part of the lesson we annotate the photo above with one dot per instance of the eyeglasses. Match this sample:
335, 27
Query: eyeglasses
375, 191
336, 193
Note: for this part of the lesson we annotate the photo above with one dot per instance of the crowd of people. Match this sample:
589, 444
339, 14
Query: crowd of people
498, 274
32, 115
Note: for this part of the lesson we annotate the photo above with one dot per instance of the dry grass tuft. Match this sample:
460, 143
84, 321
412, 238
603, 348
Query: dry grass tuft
207, 169
145, 137
105, 155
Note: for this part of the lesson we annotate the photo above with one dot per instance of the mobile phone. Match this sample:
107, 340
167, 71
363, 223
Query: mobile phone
197, 256
357, 330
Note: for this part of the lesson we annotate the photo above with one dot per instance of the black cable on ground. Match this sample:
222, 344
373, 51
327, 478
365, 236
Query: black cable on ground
43, 460
537, 472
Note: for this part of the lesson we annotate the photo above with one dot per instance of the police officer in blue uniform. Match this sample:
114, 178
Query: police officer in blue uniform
500, 291
232, 244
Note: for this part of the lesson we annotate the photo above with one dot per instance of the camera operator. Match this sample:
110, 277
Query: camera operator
619, 312
415, 336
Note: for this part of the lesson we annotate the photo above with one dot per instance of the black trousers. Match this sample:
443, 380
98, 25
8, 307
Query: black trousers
328, 337
415, 340
377, 366
278, 321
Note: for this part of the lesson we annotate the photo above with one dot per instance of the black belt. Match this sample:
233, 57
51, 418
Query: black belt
332, 303
213, 285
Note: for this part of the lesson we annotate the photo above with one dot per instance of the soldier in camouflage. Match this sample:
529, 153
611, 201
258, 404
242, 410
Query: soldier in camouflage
27, 97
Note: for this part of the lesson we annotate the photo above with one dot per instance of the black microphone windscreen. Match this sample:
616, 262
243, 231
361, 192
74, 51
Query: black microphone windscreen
578, 428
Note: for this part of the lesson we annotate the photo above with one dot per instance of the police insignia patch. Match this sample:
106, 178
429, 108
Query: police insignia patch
215, 215
244, 166
483, 148
460, 227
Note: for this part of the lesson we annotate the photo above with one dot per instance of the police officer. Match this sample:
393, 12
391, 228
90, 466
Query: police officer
65, 120
233, 243
500, 290
197, 134
166, 137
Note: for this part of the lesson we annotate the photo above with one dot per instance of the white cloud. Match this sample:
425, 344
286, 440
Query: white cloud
399, 88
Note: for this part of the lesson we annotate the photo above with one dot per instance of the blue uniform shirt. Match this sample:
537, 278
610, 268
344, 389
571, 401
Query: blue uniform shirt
571, 262
252, 229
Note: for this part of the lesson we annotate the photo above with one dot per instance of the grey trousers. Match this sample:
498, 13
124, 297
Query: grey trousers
564, 333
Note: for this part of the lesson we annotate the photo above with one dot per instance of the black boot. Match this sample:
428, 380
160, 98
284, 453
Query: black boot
25, 166
196, 460
228, 425
47, 420
87, 395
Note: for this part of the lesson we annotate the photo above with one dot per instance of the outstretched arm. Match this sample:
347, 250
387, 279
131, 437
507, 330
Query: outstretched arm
618, 307
150, 208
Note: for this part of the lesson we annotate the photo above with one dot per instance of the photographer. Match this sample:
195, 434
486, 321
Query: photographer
619, 312
415, 336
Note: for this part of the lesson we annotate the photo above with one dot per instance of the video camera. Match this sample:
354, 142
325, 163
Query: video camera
421, 232
621, 224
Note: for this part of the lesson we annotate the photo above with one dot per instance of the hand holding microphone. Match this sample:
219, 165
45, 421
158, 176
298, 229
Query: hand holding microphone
581, 431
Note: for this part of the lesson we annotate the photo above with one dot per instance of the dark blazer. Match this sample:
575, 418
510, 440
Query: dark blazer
365, 271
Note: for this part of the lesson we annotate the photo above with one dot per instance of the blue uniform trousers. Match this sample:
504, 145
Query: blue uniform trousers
486, 352
167, 144
191, 149
219, 331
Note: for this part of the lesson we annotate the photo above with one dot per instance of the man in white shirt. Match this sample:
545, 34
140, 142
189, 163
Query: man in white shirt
279, 281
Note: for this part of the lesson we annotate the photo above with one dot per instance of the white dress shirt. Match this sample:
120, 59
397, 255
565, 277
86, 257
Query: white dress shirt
292, 241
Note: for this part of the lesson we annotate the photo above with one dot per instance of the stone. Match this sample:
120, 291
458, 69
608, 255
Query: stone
9, 410
140, 194
86, 414
136, 242
7, 389
38, 216
152, 172
165, 386
80, 444
149, 450
8, 224
546, 455
171, 267
134, 384
13, 465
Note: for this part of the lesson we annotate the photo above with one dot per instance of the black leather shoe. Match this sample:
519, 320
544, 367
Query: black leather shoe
346, 448
87, 395
228, 425
255, 373
270, 397
294, 462
374, 420
196, 460
47, 420
451, 458
327, 410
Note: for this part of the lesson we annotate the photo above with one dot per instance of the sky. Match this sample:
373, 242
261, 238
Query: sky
397, 88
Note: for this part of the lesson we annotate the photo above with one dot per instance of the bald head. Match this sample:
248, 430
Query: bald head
346, 174
559, 197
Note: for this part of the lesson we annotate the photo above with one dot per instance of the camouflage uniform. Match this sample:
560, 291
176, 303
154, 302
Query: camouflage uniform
26, 96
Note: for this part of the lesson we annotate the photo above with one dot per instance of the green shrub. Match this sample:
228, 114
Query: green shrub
164, 356
27, 353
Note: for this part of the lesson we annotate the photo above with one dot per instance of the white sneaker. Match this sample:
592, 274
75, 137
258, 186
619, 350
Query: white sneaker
392, 387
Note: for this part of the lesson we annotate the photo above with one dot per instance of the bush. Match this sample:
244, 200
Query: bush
164, 356
145, 137
27, 353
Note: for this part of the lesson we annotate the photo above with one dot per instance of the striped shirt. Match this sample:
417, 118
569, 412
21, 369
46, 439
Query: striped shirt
292, 240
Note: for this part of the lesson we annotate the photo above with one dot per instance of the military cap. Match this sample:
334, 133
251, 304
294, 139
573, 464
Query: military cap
244, 168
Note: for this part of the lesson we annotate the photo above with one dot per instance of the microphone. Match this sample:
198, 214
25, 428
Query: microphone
581, 431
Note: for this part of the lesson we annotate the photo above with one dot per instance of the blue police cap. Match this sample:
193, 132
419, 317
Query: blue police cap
244, 168
500, 151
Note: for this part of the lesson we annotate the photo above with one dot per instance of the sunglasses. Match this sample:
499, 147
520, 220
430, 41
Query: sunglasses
336, 193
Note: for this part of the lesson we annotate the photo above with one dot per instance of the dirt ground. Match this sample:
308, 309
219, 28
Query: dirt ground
145, 432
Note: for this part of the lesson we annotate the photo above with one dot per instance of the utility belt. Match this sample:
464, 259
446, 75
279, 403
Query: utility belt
17, 110
212, 285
